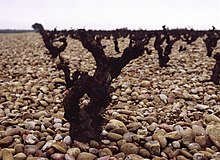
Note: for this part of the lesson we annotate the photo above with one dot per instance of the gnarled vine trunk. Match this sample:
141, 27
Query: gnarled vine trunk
86, 123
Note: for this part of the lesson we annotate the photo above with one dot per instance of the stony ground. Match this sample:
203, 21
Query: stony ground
156, 113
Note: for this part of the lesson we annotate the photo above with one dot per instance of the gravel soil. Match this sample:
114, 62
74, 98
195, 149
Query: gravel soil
156, 113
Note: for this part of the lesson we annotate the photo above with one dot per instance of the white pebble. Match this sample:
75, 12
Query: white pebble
58, 137
67, 140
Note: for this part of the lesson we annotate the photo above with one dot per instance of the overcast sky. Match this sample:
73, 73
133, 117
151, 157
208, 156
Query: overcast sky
110, 14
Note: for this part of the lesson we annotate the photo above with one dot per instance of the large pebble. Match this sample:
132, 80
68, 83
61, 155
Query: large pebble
68, 157
145, 84
105, 152
37, 115
181, 158
13, 131
114, 136
211, 118
199, 156
31, 139
187, 136
44, 89
43, 103
48, 144
195, 146
159, 136
6, 141
73, 152
185, 153
94, 151
120, 131
198, 130
128, 137
120, 155
20, 156
201, 140
30, 125
163, 97
19, 148
60, 146
144, 152
113, 124
6, 154
153, 147
67, 140
30, 149
202, 107
58, 137
176, 144
94, 143
86, 156
151, 119
175, 135
129, 148
132, 127
58, 156
213, 133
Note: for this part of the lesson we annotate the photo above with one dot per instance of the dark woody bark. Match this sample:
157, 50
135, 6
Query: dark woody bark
49, 37
216, 70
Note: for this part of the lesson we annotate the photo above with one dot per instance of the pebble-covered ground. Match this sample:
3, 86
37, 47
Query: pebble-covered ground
156, 113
